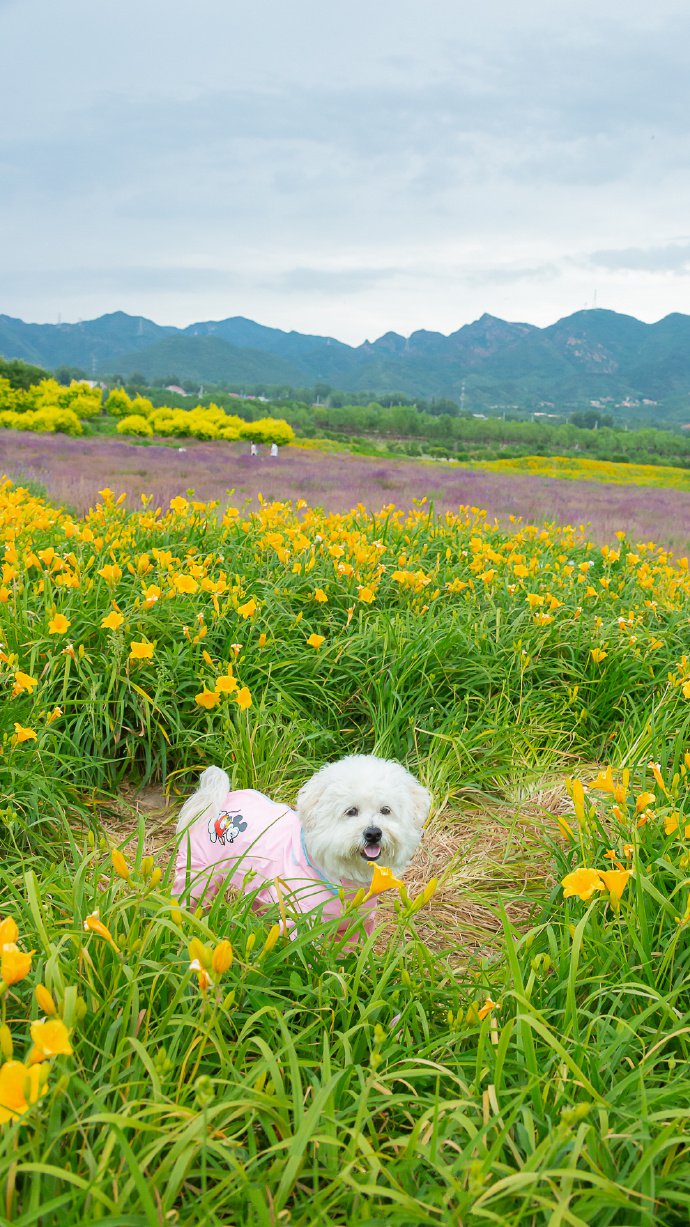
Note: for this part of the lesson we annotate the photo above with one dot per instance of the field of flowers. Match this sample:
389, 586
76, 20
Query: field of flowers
163, 1066
574, 468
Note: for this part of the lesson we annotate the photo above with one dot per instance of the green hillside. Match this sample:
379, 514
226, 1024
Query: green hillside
588, 356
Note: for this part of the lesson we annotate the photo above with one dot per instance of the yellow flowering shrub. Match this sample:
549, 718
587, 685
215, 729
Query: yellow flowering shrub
134, 424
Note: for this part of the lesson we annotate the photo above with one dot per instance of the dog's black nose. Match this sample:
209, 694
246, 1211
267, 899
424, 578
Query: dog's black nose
372, 835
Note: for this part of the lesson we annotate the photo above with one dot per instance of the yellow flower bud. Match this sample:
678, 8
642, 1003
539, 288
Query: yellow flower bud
200, 953
9, 931
222, 957
578, 795
272, 938
204, 980
429, 890
119, 864
146, 866
6, 1046
45, 1000
93, 924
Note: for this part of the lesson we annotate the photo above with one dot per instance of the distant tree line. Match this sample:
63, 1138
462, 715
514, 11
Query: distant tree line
436, 427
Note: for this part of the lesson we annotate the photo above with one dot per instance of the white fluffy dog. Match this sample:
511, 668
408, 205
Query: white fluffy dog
349, 815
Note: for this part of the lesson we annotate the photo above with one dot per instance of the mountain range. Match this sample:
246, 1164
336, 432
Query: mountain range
594, 354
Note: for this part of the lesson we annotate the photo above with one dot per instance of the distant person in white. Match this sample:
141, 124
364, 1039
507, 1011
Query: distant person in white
253, 450
274, 449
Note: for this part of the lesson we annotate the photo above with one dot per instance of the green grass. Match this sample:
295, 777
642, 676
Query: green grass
314, 1085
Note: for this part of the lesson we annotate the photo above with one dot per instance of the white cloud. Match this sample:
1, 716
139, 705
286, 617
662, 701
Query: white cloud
401, 165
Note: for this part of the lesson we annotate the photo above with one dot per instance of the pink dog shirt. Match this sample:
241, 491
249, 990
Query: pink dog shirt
251, 842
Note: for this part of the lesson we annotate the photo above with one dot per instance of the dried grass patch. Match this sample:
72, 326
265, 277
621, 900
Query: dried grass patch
483, 856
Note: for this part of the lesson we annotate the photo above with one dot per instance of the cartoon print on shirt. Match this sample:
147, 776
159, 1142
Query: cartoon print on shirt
226, 827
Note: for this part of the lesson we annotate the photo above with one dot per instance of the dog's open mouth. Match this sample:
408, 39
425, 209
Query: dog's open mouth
371, 852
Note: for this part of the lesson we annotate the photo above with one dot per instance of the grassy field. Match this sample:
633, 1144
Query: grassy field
529, 1071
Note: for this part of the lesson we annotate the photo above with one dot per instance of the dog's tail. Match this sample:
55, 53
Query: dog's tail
214, 786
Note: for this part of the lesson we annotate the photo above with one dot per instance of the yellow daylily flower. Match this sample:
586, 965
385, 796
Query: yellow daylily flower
672, 823
243, 698
93, 924
615, 881
185, 584
140, 650
151, 595
111, 573
485, 1009
582, 882
50, 1039
383, 879
207, 699
15, 964
604, 781
24, 682
226, 684
315, 641
248, 609
113, 621
20, 1088
58, 625
655, 769
24, 734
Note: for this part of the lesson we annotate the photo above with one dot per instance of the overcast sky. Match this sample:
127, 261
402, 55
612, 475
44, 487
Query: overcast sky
344, 169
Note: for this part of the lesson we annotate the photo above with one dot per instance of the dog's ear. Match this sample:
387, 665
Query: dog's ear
420, 802
309, 798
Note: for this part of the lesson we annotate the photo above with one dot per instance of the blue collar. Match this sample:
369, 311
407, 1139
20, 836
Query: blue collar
335, 890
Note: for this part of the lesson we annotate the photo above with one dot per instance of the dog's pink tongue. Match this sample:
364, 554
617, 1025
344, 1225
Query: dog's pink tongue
372, 851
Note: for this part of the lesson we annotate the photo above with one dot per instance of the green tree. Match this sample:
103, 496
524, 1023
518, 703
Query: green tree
21, 374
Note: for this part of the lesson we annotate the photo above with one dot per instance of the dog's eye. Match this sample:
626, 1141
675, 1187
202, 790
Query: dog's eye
385, 809
352, 812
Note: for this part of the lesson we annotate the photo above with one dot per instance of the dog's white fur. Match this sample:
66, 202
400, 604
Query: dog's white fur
335, 809
334, 837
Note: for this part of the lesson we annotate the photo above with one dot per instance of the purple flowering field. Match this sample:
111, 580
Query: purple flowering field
74, 470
